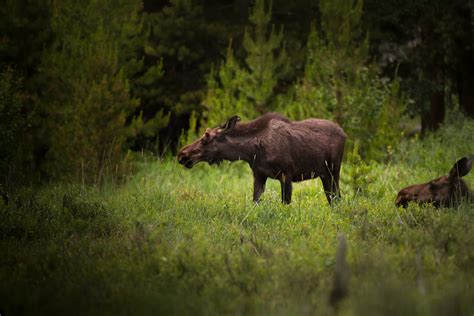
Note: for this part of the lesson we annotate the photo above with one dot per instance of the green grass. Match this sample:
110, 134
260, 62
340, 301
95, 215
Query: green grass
178, 241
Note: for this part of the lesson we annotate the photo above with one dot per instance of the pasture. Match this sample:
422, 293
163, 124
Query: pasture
178, 241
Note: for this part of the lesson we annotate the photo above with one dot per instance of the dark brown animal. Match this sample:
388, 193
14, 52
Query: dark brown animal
444, 191
276, 148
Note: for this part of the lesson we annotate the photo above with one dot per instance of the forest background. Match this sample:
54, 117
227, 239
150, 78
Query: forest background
85, 84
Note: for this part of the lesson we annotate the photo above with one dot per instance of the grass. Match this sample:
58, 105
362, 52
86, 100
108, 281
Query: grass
177, 241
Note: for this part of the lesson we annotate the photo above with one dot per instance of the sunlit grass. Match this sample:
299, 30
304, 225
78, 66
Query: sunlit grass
180, 241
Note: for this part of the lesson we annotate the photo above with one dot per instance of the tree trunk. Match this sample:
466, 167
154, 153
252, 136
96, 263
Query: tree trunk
434, 116
466, 88
433, 68
465, 75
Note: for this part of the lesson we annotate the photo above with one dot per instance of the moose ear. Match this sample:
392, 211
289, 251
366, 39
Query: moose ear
230, 124
207, 133
461, 168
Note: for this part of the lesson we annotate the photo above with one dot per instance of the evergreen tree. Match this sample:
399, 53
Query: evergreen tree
88, 98
24, 32
224, 98
247, 90
340, 84
186, 43
339, 52
266, 60
431, 42
14, 122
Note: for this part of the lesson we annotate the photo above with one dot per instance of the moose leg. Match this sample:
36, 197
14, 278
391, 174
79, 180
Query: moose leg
330, 181
286, 189
327, 188
330, 187
335, 181
258, 186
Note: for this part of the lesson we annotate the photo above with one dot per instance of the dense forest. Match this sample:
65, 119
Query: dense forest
86, 83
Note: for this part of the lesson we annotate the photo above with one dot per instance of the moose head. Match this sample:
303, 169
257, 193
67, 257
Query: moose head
443, 191
211, 147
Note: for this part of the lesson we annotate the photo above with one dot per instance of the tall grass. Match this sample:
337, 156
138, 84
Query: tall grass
178, 241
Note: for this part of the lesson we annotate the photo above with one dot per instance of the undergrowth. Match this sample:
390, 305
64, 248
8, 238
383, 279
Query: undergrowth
178, 241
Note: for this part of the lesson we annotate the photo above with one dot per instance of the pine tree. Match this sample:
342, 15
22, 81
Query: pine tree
224, 97
340, 84
247, 90
186, 42
13, 124
88, 98
266, 60
337, 55
175, 40
24, 32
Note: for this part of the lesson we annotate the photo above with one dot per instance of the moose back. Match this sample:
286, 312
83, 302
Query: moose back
276, 148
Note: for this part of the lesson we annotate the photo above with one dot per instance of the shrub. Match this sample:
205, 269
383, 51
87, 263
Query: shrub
340, 85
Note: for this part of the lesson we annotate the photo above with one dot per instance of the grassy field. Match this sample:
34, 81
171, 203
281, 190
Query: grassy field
177, 241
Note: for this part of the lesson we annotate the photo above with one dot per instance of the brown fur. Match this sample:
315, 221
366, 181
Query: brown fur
276, 148
444, 191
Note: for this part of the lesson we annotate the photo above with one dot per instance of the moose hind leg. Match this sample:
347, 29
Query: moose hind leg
286, 189
331, 185
258, 187
335, 181
327, 188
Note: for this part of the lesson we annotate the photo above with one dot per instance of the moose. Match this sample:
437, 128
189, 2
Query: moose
444, 191
276, 148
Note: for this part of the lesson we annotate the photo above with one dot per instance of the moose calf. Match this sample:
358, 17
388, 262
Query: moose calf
277, 148
443, 191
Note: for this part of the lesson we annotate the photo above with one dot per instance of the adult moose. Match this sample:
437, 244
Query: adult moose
443, 191
276, 148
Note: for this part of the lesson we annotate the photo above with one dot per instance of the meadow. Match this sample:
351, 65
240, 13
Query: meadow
178, 241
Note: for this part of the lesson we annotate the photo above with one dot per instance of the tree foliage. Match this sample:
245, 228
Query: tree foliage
88, 92
340, 84
431, 44
248, 89
224, 97
99, 78
14, 122
266, 59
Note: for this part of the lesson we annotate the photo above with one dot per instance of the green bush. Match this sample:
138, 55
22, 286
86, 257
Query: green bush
88, 96
339, 84
248, 88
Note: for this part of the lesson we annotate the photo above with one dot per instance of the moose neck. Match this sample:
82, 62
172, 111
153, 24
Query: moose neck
241, 147
244, 138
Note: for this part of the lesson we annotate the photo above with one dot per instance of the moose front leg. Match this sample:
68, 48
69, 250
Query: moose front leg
258, 186
286, 189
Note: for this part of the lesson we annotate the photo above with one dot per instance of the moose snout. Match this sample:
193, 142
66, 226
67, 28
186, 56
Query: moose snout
182, 160
182, 157
185, 159
401, 201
